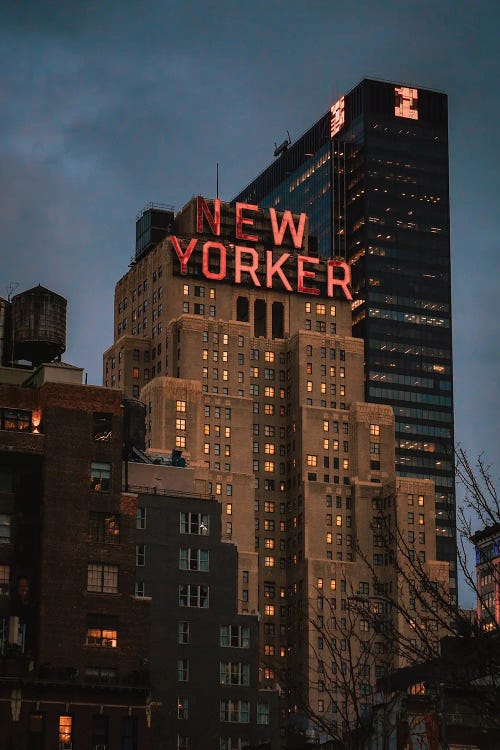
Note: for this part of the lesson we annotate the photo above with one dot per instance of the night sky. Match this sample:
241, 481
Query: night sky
106, 106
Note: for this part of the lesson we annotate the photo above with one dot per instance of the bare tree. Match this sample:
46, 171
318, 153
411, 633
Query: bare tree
402, 622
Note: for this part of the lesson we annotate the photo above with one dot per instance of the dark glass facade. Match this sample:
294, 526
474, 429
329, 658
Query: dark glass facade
377, 193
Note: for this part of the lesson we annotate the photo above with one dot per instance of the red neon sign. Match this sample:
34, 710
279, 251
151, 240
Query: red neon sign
246, 259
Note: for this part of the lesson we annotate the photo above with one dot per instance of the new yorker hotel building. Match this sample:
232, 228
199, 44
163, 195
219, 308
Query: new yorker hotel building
372, 176
238, 339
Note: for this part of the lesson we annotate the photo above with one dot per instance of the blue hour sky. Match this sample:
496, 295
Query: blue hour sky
106, 106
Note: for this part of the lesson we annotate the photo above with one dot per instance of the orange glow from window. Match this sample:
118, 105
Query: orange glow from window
338, 117
36, 418
406, 103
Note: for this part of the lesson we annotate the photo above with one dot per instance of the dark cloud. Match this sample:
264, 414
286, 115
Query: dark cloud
106, 106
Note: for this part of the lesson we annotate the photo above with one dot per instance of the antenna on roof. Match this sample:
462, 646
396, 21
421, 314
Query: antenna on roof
283, 146
11, 288
217, 181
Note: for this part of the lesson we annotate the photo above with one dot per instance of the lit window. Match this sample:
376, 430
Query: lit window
269, 561
180, 424
309, 386
269, 466
100, 477
99, 634
180, 441
312, 460
375, 430
180, 406
65, 731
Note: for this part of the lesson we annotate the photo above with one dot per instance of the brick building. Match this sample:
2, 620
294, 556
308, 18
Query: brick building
73, 636
238, 340
204, 654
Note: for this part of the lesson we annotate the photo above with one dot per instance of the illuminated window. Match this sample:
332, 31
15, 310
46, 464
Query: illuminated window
420, 499
375, 430
326, 444
320, 309
312, 460
269, 356
180, 406
269, 409
102, 578
185, 289
269, 448
338, 520
269, 466
100, 633
309, 386
345, 463
218, 488
329, 537
269, 610
269, 543
269, 391
269, 561
406, 102
333, 311
65, 731
180, 441
268, 649
308, 307
269, 506
100, 477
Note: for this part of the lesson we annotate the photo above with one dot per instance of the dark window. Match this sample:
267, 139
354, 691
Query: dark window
100, 731
104, 528
278, 327
242, 309
259, 317
129, 733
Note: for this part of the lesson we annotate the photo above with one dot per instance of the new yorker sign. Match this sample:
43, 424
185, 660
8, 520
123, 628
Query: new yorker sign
248, 265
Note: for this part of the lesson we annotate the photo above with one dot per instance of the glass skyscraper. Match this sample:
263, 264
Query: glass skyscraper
372, 175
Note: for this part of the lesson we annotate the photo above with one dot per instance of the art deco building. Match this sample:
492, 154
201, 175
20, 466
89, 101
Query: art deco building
238, 340
372, 175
